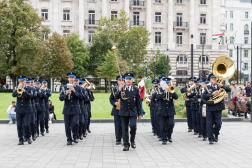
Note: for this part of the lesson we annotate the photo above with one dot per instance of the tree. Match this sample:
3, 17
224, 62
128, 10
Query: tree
20, 38
234, 78
80, 53
108, 69
55, 60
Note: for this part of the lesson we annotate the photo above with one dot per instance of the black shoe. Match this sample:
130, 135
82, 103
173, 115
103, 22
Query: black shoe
118, 143
155, 134
216, 138
133, 145
164, 143
47, 131
34, 138
189, 130
200, 136
29, 141
69, 143
25, 140
152, 131
84, 135
20, 143
42, 133
89, 131
211, 142
158, 136
81, 137
75, 140
37, 135
125, 148
160, 139
195, 133
170, 140
204, 139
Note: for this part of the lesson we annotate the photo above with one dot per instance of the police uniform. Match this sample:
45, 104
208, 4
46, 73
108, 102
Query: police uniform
213, 112
196, 100
91, 98
48, 94
152, 93
167, 112
130, 108
71, 110
23, 110
84, 108
40, 107
115, 113
34, 109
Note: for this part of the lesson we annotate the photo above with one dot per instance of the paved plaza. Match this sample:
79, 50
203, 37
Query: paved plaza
234, 148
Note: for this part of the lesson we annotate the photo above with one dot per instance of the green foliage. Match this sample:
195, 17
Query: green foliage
234, 78
148, 84
20, 37
224, 113
6, 90
184, 113
80, 53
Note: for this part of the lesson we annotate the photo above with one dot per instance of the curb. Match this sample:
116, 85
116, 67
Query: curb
141, 121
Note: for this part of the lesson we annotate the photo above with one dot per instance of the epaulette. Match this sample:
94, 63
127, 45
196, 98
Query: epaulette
113, 92
207, 89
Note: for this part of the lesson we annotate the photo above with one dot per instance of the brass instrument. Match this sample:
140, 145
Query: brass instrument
172, 89
185, 94
20, 90
119, 103
148, 100
89, 85
223, 68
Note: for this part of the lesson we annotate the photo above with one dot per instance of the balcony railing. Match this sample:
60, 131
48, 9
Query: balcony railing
181, 64
205, 46
136, 23
92, 22
246, 32
180, 24
137, 4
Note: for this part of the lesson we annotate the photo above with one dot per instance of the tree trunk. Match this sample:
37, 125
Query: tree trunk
109, 83
105, 85
14, 81
52, 82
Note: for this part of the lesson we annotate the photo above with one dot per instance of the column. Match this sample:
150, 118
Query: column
149, 22
81, 19
104, 8
171, 44
55, 18
215, 22
191, 28
126, 6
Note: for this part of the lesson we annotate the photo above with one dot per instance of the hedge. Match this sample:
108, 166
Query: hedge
6, 90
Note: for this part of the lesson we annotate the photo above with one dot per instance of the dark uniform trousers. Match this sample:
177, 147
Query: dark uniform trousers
130, 108
188, 111
167, 112
203, 123
115, 113
23, 110
213, 112
48, 94
40, 121
71, 123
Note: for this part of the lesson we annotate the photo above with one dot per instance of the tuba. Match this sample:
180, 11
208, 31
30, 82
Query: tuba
185, 94
223, 68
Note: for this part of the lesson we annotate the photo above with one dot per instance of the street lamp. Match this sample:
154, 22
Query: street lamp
154, 67
167, 62
191, 54
146, 69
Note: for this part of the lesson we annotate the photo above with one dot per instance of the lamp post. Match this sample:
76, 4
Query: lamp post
146, 69
191, 54
203, 42
167, 62
154, 67
237, 69
251, 63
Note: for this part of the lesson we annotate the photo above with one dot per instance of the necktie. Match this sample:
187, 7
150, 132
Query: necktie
128, 89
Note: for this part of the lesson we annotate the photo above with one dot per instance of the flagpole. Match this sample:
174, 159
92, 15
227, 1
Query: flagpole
232, 36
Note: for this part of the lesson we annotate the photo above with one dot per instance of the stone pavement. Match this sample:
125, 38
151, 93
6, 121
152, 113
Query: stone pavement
234, 149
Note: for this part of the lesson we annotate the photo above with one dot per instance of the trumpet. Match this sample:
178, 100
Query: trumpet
20, 90
89, 85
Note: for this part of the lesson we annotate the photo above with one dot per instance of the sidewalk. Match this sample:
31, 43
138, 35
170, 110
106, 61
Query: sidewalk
234, 149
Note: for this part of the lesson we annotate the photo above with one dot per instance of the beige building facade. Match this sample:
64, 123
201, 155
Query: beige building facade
171, 23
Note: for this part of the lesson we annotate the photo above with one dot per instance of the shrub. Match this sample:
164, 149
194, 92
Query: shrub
224, 113
6, 90
184, 113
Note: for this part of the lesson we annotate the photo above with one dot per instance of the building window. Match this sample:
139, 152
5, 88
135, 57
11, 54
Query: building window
113, 15
245, 40
181, 72
158, 37
246, 53
179, 19
181, 59
231, 26
91, 17
226, 26
231, 40
114, 0
90, 33
158, 17
44, 13
230, 53
204, 58
45, 36
226, 14
202, 18
66, 15
246, 15
246, 66
157, 1
136, 18
203, 2
245, 27
202, 38
204, 73
66, 32
179, 38
231, 14
179, 1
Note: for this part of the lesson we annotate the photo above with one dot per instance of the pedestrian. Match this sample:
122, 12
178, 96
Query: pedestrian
234, 90
248, 89
51, 112
11, 112
141, 87
130, 110
7, 86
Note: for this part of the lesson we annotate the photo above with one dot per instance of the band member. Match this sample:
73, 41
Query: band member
40, 107
71, 94
198, 83
23, 109
167, 111
48, 94
85, 110
33, 113
34, 107
191, 95
199, 104
91, 98
203, 107
159, 135
130, 108
153, 104
214, 112
115, 110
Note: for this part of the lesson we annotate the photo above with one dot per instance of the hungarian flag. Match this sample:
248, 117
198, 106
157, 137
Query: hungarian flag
215, 36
